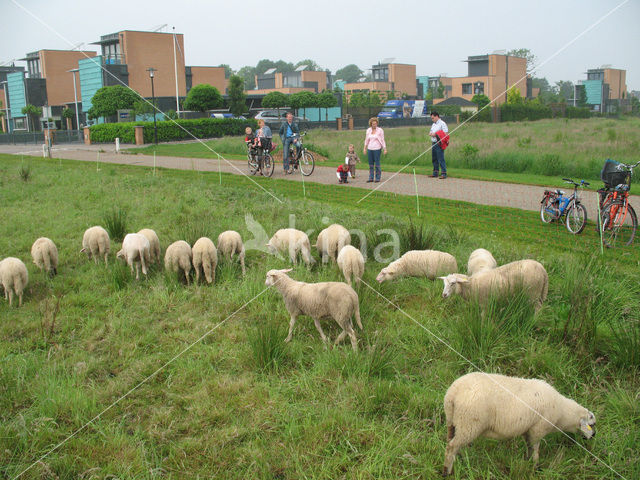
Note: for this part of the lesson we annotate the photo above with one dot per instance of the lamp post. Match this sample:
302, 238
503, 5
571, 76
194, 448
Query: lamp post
151, 71
6, 104
75, 96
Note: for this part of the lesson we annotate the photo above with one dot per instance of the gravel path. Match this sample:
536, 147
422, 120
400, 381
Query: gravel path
525, 197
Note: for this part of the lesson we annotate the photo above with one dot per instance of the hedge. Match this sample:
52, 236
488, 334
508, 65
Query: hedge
168, 130
524, 111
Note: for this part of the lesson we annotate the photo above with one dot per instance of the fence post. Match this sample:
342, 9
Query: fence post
87, 136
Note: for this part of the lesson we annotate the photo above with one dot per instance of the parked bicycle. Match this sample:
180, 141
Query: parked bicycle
260, 161
301, 158
618, 221
555, 205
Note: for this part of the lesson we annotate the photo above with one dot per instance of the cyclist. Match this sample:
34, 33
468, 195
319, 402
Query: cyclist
289, 132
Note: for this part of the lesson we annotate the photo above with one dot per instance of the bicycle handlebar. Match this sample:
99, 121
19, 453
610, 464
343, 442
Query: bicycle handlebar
582, 182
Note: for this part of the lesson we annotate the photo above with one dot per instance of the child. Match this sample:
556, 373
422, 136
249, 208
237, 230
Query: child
343, 173
351, 159
249, 138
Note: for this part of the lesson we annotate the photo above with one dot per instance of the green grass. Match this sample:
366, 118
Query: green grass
241, 403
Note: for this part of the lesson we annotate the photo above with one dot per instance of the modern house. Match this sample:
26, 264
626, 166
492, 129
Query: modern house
291, 82
387, 77
606, 89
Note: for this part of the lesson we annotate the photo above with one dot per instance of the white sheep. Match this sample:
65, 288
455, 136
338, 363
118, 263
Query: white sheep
506, 279
331, 240
229, 244
293, 241
177, 258
154, 244
327, 299
351, 262
480, 260
13, 278
419, 263
45, 255
135, 250
205, 259
95, 242
500, 407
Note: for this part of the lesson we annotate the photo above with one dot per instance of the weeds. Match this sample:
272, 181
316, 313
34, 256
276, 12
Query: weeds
25, 172
268, 347
115, 222
417, 237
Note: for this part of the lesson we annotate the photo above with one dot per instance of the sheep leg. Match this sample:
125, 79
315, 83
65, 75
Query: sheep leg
244, 272
105, 259
459, 440
137, 270
325, 258
293, 254
319, 328
10, 297
340, 337
20, 299
197, 269
186, 276
533, 446
292, 322
352, 337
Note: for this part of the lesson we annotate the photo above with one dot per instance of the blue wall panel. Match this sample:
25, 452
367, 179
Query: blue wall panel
593, 89
311, 114
90, 79
17, 100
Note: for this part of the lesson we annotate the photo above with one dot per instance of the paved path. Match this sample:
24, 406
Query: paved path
525, 197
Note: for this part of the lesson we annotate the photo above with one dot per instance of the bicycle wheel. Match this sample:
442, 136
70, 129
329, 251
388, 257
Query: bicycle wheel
576, 218
618, 228
267, 165
548, 212
307, 163
253, 163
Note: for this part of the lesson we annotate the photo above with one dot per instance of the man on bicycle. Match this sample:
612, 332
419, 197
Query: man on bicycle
289, 133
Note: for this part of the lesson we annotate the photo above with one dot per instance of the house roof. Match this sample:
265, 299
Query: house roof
457, 101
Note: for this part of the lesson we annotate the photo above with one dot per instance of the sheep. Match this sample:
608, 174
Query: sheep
154, 244
500, 407
480, 260
351, 262
419, 263
327, 299
96, 242
331, 240
177, 258
527, 274
230, 243
45, 255
135, 250
13, 278
205, 259
294, 241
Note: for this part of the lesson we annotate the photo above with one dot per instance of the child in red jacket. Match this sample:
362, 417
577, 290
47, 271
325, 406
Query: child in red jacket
343, 173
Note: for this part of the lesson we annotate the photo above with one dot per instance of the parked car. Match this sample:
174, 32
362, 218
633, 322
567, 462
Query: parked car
227, 115
271, 116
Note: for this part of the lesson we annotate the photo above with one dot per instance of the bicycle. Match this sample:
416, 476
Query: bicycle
260, 160
301, 157
618, 221
555, 205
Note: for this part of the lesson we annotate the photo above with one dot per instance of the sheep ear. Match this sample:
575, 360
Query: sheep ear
442, 278
287, 270
462, 280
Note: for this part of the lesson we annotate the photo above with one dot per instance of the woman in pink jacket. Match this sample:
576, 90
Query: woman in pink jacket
374, 145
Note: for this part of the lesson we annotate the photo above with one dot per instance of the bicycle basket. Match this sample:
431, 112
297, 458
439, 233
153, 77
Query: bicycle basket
614, 173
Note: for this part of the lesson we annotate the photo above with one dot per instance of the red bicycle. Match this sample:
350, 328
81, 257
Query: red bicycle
618, 219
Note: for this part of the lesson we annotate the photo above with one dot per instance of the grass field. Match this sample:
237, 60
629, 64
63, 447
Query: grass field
538, 153
240, 403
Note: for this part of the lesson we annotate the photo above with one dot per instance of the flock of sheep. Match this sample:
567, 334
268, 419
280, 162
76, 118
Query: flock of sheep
476, 404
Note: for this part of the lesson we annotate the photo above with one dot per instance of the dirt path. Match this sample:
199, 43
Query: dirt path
525, 197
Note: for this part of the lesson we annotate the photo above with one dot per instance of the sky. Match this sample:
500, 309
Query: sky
436, 36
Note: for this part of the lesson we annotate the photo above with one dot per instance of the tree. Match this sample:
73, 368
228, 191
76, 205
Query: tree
108, 100
228, 71
304, 99
248, 74
582, 96
359, 99
203, 97
32, 112
391, 95
514, 97
68, 115
481, 100
237, 97
143, 107
565, 89
311, 65
326, 100
527, 55
350, 73
280, 65
275, 100
439, 91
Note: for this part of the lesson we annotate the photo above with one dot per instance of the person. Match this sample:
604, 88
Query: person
373, 146
289, 133
438, 146
351, 159
264, 136
249, 137
343, 173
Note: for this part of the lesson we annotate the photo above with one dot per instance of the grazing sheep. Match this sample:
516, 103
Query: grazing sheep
205, 259
331, 240
95, 242
45, 255
135, 250
351, 262
294, 241
480, 260
419, 263
327, 299
154, 244
500, 407
177, 258
527, 274
230, 243
13, 278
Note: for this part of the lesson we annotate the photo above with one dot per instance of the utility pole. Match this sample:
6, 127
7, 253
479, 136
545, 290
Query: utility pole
151, 71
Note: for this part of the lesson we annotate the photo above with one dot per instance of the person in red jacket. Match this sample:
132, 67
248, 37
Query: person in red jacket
438, 130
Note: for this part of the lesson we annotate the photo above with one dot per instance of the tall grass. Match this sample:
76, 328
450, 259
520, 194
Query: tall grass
115, 222
268, 346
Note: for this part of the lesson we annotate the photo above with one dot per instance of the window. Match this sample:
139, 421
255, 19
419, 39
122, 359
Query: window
595, 75
466, 89
18, 124
111, 53
33, 66
478, 88
380, 74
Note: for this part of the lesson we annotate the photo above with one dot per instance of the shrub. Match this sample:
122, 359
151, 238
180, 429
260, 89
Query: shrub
115, 222
25, 173
524, 111
268, 348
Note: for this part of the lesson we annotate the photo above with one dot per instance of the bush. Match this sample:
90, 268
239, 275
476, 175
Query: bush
482, 116
171, 130
578, 112
524, 111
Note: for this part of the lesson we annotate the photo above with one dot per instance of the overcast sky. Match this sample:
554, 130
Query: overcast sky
435, 36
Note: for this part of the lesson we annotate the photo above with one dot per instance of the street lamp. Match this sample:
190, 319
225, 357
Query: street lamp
75, 97
151, 70
6, 104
